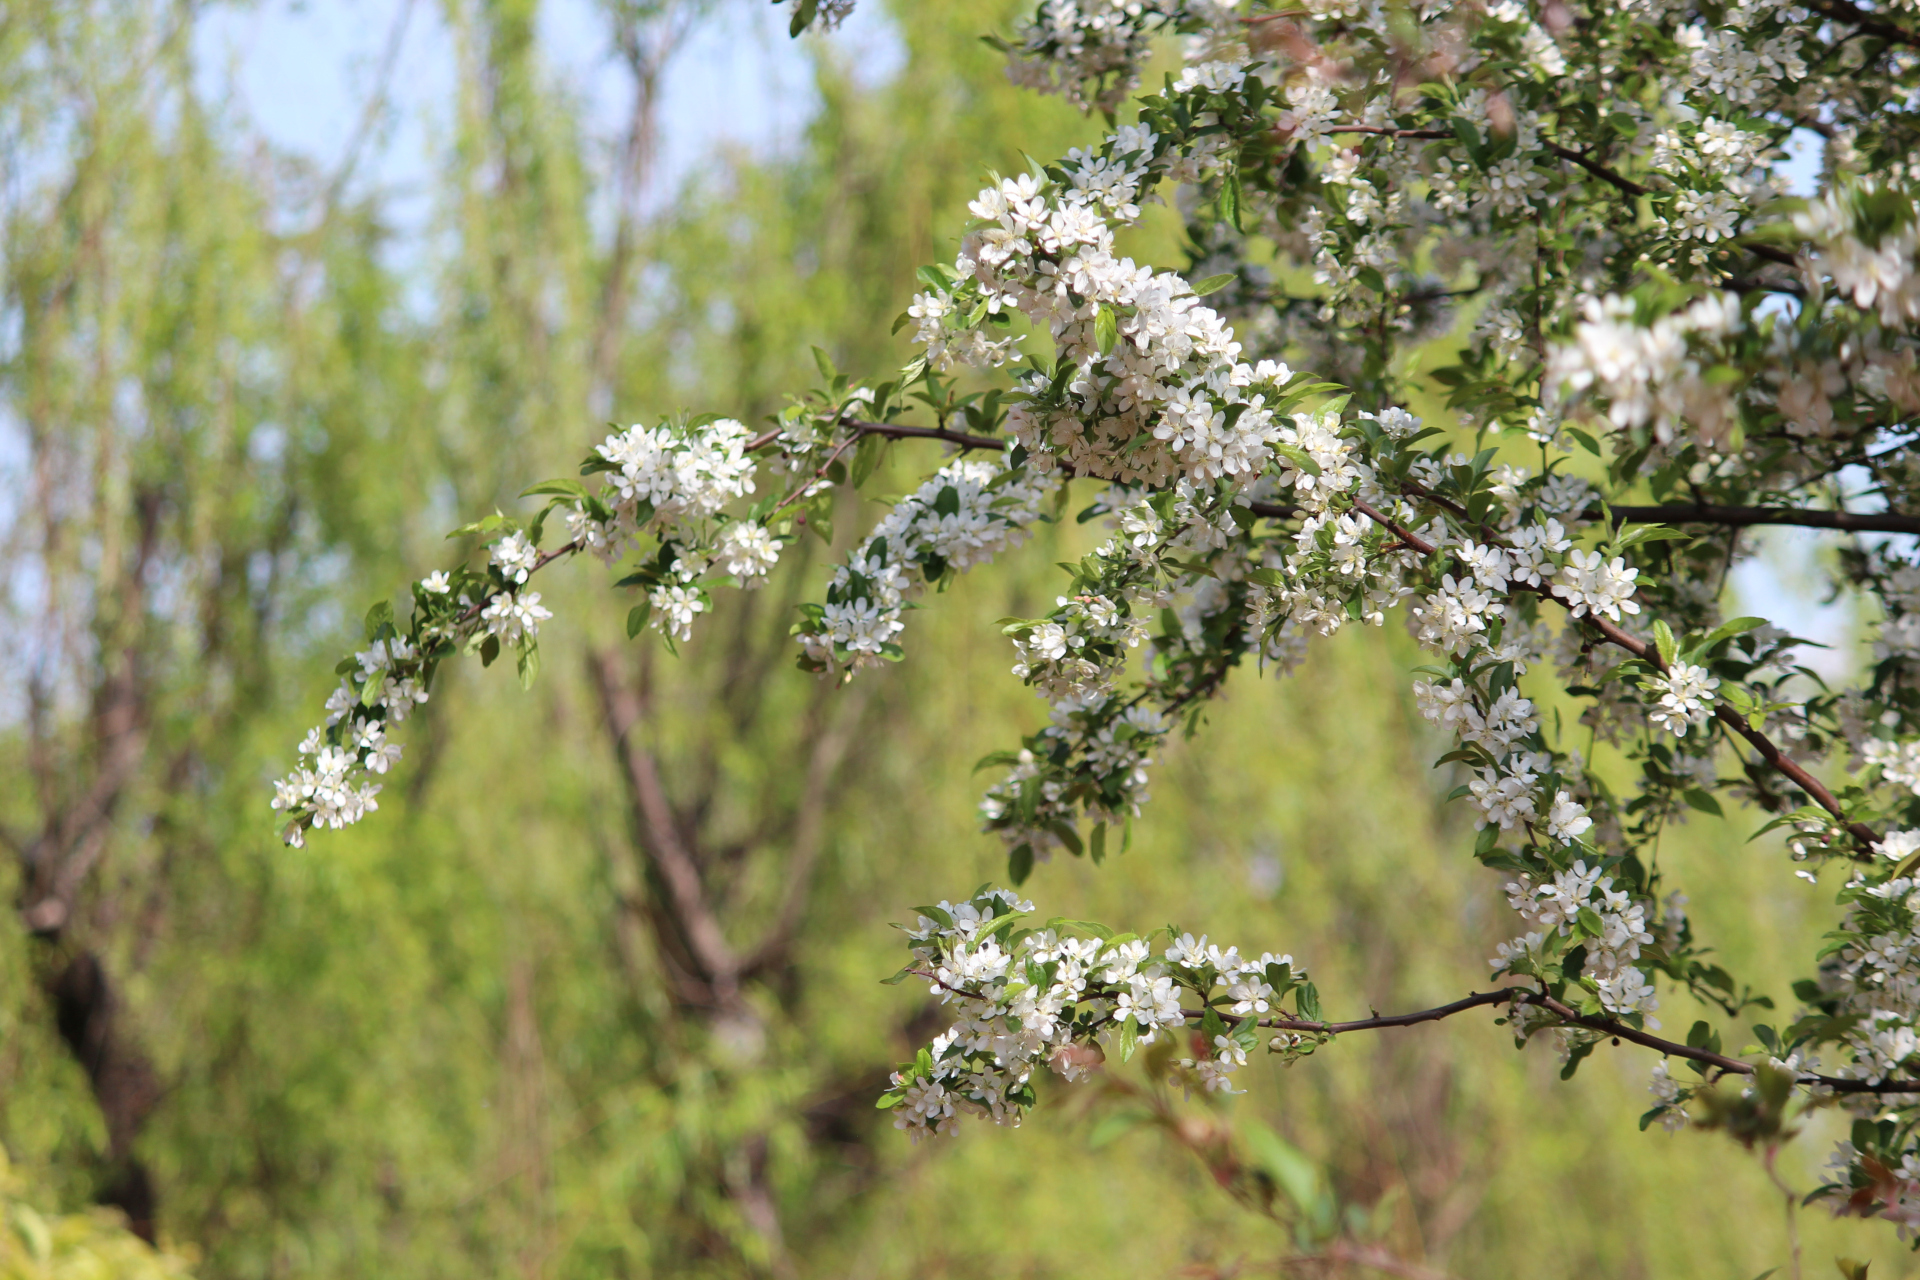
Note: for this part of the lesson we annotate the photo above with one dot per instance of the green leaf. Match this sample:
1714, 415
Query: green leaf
1129, 1038
1663, 640
1214, 284
1113, 1127
557, 488
529, 665
1020, 864
1703, 801
1726, 631
1298, 457
824, 361
1642, 533
381, 615
637, 617
1106, 330
866, 456
484, 526
1306, 998
489, 650
1231, 200
1283, 1162
1586, 441
897, 978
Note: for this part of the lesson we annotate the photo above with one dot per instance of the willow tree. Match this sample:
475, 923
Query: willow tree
1662, 348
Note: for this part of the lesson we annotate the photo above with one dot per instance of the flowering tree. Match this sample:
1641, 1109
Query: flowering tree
1655, 349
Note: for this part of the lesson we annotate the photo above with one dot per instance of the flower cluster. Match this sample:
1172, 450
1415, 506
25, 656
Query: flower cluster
1066, 996
1089, 51
965, 515
1611, 925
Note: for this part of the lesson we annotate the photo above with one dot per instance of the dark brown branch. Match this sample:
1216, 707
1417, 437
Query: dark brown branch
1854, 16
1380, 131
1274, 510
1477, 1000
1526, 995
1618, 181
894, 431
1744, 517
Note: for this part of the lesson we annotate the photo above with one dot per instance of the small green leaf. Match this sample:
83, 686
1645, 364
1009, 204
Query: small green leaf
1703, 800
1231, 200
1663, 640
557, 488
1214, 284
637, 617
1727, 630
1298, 457
866, 456
1129, 1039
381, 615
1020, 864
1106, 330
1115, 1126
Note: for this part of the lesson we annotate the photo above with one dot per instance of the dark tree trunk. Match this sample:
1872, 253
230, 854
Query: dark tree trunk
124, 1083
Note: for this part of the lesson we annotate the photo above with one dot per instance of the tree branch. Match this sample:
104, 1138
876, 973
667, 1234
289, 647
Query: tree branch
1854, 16
1526, 995
1745, 517
894, 431
665, 849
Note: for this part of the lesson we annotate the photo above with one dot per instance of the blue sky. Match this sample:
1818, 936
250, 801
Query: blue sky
301, 73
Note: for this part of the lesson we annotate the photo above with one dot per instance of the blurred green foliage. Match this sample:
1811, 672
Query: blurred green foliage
460, 1041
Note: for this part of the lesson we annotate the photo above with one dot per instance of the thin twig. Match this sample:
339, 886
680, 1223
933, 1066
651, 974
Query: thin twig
1522, 995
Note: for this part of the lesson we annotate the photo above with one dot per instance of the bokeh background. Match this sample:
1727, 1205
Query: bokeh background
289, 291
